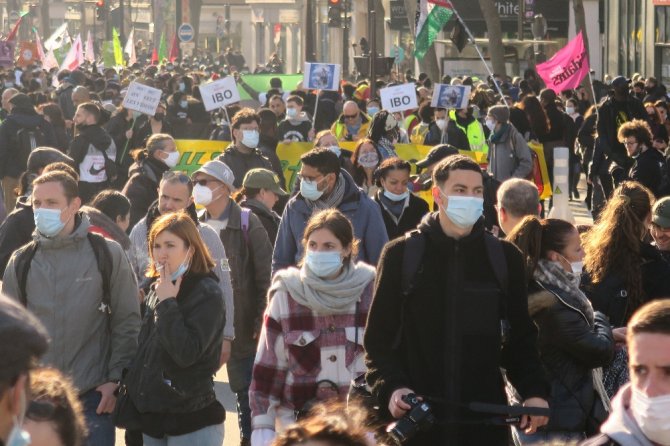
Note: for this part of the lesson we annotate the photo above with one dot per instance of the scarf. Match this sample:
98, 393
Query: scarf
333, 199
500, 134
324, 296
552, 273
386, 148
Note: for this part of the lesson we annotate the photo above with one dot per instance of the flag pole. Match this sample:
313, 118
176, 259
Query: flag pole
316, 107
479, 52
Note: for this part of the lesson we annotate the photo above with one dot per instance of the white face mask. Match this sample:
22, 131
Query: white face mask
172, 159
203, 195
250, 138
441, 123
651, 414
491, 124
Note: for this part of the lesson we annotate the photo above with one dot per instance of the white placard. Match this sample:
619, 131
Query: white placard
219, 93
142, 98
322, 76
399, 98
451, 96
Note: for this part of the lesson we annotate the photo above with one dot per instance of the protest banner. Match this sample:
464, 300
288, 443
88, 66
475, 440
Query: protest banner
142, 98
567, 68
219, 93
322, 76
451, 96
399, 98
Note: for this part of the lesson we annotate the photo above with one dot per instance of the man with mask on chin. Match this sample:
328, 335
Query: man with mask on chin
23, 340
449, 311
639, 415
324, 185
59, 278
243, 154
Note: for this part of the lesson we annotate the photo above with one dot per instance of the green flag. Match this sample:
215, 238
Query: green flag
260, 83
162, 49
108, 54
118, 52
431, 17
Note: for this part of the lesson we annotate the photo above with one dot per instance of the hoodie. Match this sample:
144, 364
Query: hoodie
87, 149
620, 428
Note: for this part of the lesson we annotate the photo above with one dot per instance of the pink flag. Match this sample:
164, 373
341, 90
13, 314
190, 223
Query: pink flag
40, 48
75, 56
90, 53
567, 68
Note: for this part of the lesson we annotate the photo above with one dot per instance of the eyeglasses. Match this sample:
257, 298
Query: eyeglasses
350, 116
302, 177
178, 176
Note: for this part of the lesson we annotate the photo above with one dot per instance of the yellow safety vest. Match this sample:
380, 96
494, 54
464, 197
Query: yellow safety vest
474, 133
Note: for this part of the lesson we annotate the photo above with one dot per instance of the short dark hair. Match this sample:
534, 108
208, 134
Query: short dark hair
388, 165
323, 160
426, 112
518, 197
275, 96
70, 186
92, 109
112, 203
245, 116
61, 167
454, 162
295, 98
653, 317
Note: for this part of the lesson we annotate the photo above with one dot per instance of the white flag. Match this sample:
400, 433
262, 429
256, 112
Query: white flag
75, 56
90, 54
130, 48
57, 39
50, 61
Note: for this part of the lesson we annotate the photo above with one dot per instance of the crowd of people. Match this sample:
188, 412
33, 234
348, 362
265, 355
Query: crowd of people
481, 322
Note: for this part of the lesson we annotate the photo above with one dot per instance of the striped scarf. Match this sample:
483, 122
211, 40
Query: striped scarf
333, 199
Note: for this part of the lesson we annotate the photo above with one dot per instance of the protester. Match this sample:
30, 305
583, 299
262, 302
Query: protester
159, 156
109, 214
509, 155
659, 228
146, 128
326, 139
54, 416
244, 237
170, 380
297, 127
383, 133
324, 185
437, 310
365, 160
75, 310
427, 132
352, 124
53, 115
23, 340
517, 199
402, 211
573, 340
260, 193
328, 286
242, 155
268, 141
648, 167
465, 132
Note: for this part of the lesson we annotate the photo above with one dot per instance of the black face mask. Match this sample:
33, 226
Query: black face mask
159, 116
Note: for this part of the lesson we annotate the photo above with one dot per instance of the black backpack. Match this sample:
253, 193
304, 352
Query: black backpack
27, 139
103, 257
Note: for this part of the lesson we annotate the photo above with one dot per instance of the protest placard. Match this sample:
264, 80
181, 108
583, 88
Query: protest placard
399, 98
219, 93
142, 98
322, 76
451, 96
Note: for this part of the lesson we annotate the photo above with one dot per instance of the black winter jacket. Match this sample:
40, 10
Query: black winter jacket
569, 349
268, 218
450, 339
179, 349
611, 297
608, 127
16, 230
241, 163
648, 169
142, 186
410, 218
19, 119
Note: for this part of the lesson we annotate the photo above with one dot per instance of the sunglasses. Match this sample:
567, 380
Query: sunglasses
179, 176
205, 182
350, 116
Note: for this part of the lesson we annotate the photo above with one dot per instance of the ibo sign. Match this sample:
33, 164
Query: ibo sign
185, 32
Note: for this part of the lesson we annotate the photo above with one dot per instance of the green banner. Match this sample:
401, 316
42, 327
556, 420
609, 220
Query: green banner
261, 83
108, 54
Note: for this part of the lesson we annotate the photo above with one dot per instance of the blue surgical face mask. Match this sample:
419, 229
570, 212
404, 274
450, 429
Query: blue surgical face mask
372, 111
336, 150
323, 263
48, 222
182, 87
396, 197
17, 436
310, 190
463, 211
250, 138
183, 103
181, 270
291, 112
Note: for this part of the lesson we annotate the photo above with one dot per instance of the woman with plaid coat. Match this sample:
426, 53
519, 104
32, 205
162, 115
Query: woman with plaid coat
310, 346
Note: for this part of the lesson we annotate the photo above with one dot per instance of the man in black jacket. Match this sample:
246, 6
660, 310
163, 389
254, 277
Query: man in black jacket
442, 340
22, 115
619, 108
89, 148
243, 154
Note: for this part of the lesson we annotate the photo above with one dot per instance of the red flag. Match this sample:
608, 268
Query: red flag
154, 57
174, 49
15, 30
567, 68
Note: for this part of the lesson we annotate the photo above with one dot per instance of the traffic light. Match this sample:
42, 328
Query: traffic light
100, 10
335, 10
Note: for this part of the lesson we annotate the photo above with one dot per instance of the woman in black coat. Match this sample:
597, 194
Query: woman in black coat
402, 211
155, 124
145, 174
574, 342
170, 381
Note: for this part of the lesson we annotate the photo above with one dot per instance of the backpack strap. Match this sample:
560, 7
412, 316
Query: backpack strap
244, 217
415, 245
22, 261
103, 257
494, 249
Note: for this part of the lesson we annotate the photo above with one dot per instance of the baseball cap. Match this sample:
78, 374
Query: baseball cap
436, 154
660, 214
619, 80
263, 179
220, 171
41, 157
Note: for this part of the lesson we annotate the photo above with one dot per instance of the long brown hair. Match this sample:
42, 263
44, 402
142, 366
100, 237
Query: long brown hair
181, 225
612, 246
539, 122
